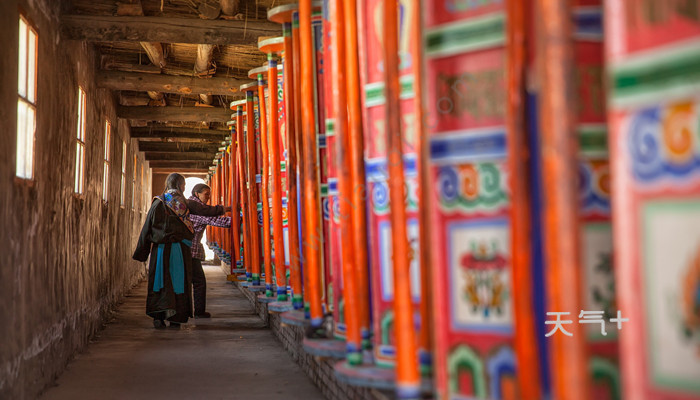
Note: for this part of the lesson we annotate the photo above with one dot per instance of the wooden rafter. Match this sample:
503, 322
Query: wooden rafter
207, 114
119, 80
99, 28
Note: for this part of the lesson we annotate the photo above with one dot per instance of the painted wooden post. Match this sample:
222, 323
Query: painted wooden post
321, 103
252, 185
595, 220
524, 342
284, 15
350, 309
235, 202
244, 195
407, 375
557, 114
302, 217
356, 153
265, 178
272, 47
652, 52
312, 204
335, 218
425, 339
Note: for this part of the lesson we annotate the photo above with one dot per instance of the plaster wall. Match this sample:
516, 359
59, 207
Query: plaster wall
66, 259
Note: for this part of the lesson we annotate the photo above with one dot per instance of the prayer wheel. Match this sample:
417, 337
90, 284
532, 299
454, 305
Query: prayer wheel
377, 173
470, 207
653, 104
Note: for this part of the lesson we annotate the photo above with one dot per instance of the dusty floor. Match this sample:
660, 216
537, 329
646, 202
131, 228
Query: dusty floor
231, 356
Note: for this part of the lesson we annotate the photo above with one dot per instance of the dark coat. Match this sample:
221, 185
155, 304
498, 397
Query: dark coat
162, 226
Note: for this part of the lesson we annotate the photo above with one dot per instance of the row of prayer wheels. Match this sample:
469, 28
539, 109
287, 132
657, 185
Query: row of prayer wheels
435, 178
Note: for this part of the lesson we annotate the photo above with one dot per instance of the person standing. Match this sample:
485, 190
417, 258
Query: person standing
166, 237
201, 194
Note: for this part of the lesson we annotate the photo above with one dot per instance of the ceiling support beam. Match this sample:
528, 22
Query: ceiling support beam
104, 28
178, 133
182, 147
166, 156
196, 114
139, 81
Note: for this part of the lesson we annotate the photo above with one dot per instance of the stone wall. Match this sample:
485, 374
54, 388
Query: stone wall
65, 260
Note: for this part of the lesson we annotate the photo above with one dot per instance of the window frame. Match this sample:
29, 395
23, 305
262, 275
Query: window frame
107, 161
29, 101
123, 177
80, 141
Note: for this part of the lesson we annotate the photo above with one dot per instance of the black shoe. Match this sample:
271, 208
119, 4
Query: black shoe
174, 325
159, 324
203, 315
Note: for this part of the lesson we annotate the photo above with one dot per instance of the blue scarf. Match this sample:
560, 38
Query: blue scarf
177, 267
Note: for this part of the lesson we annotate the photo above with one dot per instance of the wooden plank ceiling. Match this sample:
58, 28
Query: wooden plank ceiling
176, 65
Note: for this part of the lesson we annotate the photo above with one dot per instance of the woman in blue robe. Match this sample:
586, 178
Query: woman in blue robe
167, 237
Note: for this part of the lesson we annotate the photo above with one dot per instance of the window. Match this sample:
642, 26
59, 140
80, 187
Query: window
107, 157
123, 185
133, 184
80, 144
26, 100
143, 190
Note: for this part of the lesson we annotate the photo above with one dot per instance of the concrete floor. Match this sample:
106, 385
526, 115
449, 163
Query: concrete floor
231, 356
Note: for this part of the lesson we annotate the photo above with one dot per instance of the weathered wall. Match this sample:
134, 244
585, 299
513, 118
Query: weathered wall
158, 184
65, 261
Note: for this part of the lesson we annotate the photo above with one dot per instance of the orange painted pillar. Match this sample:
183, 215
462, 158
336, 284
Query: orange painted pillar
296, 41
252, 189
425, 339
277, 193
353, 337
557, 113
357, 168
243, 190
291, 107
407, 375
525, 342
267, 248
234, 198
312, 202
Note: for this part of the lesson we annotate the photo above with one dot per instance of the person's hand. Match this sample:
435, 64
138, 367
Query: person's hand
227, 209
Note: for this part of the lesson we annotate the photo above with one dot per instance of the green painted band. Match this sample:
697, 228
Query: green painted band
467, 36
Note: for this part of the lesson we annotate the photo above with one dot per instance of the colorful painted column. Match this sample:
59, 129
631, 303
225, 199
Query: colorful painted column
321, 101
312, 229
237, 266
257, 73
595, 222
243, 187
357, 168
272, 47
252, 184
407, 374
284, 15
652, 55
334, 260
472, 287
381, 242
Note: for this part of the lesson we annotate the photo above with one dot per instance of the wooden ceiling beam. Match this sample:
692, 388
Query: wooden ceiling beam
178, 133
170, 156
184, 171
139, 81
191, 147
105, 28
176, 166
207, 114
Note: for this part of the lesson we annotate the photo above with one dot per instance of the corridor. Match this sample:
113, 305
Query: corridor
230, 356
404, 199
